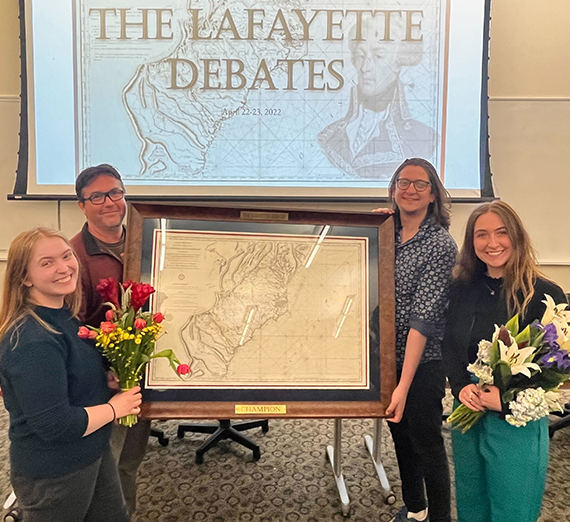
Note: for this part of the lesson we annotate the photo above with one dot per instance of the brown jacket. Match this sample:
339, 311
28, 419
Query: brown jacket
95, 265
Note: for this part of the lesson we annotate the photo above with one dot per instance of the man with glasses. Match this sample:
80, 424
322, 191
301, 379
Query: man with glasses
100, 246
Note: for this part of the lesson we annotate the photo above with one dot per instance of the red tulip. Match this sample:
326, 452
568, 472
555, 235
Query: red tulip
140, 323
83, 332
140, 294
93, 334
109, 315
158, 317
109, 290
107, 327
183, 369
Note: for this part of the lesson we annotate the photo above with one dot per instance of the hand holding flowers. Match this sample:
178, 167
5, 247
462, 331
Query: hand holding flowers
127, 338
522, 369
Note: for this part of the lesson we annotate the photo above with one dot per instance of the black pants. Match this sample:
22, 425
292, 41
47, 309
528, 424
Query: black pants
419, 445
91, 494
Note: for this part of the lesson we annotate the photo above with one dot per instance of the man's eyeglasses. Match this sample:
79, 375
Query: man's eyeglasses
419, 184
98, 198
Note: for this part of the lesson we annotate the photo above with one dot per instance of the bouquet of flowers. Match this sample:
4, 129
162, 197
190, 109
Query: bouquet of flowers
128, 336
528, 367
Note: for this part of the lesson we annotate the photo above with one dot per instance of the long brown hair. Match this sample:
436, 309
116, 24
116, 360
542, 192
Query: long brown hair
521, 269
440, 208
16, 303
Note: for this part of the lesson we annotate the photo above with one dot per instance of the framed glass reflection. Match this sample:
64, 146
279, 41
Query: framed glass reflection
268, 308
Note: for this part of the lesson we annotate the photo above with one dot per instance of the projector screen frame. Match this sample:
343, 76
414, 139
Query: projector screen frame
21, 185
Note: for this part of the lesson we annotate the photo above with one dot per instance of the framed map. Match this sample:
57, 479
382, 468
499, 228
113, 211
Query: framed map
272, 310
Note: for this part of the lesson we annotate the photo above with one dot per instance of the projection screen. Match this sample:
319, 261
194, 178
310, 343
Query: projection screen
281, 98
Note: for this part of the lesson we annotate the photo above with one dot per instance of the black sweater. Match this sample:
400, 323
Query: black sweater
47, 379
474, 309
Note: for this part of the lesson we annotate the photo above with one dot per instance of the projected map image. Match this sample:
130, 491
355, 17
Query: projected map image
262, 310
253, 93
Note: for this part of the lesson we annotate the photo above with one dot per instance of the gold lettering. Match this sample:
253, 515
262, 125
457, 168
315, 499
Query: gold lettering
284, 27
265, 78
230, 73
252, 23
331, 24
125, 24
337, 75
306, 25
410, 26
196, 26
387, 23
174, 73
290, 76
160, 23
263, 409
208, 73
359, 13
103, 20
314, 74
232, 26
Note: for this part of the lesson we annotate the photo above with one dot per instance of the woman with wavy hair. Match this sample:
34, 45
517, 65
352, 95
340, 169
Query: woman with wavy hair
55, 390
500, 469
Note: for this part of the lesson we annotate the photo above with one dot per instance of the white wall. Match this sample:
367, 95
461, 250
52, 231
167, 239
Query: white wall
529, 124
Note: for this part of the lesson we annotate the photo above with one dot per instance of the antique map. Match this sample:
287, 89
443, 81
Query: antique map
262, 310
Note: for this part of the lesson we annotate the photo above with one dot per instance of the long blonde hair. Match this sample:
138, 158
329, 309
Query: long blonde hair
16, 303
521, 270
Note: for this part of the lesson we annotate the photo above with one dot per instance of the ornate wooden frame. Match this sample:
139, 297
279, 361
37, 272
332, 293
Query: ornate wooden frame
157, 408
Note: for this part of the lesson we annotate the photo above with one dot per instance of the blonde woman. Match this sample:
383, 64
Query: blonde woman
500, 470
55, 390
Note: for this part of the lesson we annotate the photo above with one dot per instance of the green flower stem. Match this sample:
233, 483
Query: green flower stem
131, 419
128, 420
463, 418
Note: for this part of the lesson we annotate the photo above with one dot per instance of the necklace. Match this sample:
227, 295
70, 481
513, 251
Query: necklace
492, 290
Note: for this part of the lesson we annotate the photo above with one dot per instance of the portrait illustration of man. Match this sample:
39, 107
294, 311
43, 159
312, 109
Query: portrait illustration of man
378, 132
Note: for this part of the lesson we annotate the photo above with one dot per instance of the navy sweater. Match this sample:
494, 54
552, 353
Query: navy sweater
47, 379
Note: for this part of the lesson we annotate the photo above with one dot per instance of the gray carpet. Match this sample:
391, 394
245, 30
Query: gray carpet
292, 482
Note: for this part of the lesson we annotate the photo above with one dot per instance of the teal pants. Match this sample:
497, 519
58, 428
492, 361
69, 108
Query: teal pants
500, 470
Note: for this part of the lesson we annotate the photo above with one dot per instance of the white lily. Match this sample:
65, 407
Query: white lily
515, 357
561, 329
496, 333
553, 311
553, 399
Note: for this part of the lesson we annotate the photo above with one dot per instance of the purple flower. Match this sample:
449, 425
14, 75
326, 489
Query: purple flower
565, 364
551, 336
556, 357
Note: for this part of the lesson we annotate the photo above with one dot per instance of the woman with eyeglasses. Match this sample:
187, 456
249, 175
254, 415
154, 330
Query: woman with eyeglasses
500, 470
425, 256
55, 390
